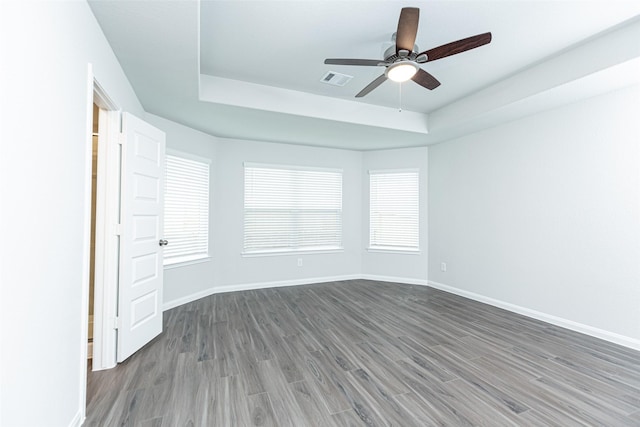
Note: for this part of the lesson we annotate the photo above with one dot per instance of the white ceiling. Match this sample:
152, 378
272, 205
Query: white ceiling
252, 69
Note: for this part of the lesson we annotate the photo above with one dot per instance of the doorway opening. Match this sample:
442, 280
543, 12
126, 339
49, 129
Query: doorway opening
104, 247
102, 284
92, 254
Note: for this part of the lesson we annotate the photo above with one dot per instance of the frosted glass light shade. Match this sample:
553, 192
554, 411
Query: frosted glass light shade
401, 71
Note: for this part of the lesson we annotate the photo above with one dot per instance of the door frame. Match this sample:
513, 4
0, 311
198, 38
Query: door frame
107, 240
105, 301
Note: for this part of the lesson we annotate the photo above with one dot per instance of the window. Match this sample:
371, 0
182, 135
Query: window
393, 210
186, 208
288, 209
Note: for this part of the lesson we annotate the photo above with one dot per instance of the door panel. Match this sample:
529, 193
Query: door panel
141, 274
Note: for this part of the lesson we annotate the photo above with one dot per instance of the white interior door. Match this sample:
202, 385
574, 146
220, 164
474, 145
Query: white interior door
142, 205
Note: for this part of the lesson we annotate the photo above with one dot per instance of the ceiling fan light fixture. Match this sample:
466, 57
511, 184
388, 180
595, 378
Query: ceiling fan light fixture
401, 71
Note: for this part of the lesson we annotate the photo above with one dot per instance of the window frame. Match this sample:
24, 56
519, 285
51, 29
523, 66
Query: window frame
299, 249
387, 248
194, 258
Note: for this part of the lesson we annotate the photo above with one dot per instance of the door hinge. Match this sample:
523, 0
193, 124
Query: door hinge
117, 229
116, 323
121, 138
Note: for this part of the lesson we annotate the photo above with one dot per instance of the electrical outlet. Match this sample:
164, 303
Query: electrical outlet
443, 266
299, 262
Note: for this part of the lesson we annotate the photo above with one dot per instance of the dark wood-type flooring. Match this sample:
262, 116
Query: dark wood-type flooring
364, 353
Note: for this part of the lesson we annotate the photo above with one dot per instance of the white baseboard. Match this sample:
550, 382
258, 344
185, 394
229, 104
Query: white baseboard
554, 320
77, 420
405, 280
167, 305
258, 285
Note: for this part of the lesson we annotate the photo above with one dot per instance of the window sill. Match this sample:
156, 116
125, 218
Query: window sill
383, 250
183, 262
292, 252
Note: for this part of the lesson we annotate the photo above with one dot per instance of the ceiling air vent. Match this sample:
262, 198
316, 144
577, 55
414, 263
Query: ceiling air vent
336, 79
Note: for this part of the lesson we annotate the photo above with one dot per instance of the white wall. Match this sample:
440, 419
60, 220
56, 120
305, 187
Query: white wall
543, 214
233, 268
44, 178
412, 268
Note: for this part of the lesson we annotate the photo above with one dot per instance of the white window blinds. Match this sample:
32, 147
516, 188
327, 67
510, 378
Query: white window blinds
291, 209
393, 210
186, 208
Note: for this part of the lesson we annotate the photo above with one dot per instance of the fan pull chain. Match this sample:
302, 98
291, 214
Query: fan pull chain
399, 97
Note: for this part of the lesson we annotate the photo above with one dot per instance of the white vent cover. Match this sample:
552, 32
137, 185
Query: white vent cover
335, 79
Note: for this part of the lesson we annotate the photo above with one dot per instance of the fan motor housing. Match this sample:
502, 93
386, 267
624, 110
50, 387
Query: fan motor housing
390, 55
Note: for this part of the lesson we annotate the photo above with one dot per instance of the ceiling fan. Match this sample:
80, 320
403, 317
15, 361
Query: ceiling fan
402, 61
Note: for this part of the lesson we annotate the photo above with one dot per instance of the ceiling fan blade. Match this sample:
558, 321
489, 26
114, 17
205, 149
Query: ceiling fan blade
457, 47
407, 29
425, 79
371, 86
347, 61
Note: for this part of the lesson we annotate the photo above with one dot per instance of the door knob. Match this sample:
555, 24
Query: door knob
163, 242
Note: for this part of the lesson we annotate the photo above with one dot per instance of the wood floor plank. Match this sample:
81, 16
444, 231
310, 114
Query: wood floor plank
482, 411
226, 354
361, 404
391, 412
312, 409
592, 409
204, 340
260, 411
232, 408
320, 377
347, 419
418, 355
434, 395
129, 406
379, 367
364, 353
617, 394
187, 340
480, 379
283, 401
255, 308
249, 373
233, 313
153, 422
157, 400
541, 418
421, 411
